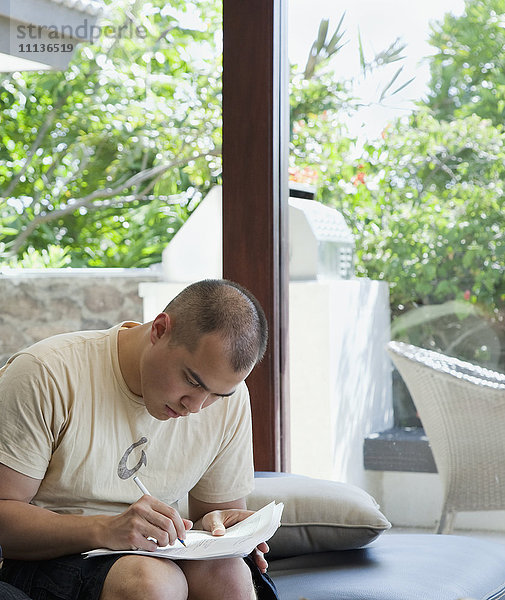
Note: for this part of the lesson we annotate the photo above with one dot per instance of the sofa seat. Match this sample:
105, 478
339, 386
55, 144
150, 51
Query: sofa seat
397, 566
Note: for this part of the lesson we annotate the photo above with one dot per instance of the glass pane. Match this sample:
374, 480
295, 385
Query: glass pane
104, 159
396, 122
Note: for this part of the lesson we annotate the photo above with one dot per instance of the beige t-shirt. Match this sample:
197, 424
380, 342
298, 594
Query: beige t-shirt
67, 417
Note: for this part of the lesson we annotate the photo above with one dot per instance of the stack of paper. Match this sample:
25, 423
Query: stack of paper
239, 540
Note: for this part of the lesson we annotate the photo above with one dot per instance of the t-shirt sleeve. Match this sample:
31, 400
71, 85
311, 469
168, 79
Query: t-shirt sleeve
31, 416
230, 476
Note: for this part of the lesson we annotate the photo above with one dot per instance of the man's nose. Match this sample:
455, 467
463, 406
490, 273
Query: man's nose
195, 401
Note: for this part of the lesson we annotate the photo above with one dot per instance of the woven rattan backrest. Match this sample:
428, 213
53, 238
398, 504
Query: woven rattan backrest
462, 408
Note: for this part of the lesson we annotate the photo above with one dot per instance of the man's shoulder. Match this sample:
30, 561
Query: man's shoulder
234, 407
241, 394
61, 346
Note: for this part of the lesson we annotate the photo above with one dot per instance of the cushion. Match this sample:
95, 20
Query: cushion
319, 515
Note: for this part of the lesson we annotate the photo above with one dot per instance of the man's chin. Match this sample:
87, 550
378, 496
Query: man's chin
159, 413
162, 413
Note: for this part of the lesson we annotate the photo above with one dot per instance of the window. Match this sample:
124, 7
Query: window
396, 120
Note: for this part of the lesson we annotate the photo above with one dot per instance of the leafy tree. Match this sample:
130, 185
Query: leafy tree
104, 158
427, 211
425, 200
321, 101
467, 67
107, 159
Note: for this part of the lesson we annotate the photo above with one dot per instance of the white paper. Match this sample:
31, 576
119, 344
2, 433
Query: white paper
239, 540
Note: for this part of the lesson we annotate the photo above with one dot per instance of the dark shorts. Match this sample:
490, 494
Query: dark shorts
76, 578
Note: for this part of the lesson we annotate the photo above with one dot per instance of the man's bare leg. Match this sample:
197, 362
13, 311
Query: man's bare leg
133, 577
221, 579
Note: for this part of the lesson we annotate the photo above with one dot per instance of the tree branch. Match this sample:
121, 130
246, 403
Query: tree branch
443, 167
36, 144
90, 201
49, 121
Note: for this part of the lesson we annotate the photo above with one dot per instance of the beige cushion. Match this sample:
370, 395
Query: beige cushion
319, 515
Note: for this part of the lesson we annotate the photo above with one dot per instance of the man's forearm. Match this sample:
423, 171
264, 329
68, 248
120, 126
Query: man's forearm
28, 532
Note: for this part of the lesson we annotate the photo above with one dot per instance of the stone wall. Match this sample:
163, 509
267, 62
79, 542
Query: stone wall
37, 304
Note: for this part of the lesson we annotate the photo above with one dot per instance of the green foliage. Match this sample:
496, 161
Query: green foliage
425, 201
94, 158
52, 257
467, 75
317, 90
320, 102
427, 211
322, 51
107, 160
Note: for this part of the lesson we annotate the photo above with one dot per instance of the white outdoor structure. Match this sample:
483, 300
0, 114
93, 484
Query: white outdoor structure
327, 251
42, 34
321, 245
195, 251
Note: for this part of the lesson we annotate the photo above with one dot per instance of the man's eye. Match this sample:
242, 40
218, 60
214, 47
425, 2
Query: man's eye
192, 383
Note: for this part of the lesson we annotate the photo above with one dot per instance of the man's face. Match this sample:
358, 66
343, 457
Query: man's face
176, 382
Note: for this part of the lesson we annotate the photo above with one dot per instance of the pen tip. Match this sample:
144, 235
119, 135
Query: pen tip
182, 542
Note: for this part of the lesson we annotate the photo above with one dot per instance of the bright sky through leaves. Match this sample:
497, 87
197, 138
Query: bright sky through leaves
379, 22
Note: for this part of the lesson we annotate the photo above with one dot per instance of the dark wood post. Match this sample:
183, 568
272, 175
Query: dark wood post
255, 196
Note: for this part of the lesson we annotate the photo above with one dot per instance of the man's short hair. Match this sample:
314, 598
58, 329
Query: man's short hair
224, 307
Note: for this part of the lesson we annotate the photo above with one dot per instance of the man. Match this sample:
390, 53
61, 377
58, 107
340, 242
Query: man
82, 413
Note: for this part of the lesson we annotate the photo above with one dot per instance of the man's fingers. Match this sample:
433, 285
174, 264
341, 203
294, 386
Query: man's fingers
167, 524
149, 543
217, 527
217, 521
259, 559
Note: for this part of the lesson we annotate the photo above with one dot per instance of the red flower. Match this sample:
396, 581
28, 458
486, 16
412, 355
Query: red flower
305, 175
385, 131
359, 178
467, 295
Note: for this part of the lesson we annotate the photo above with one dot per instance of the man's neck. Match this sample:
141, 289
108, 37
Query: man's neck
131, 345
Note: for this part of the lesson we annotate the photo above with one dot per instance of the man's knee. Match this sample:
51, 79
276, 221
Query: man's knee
221, 579
238, 580
134, 577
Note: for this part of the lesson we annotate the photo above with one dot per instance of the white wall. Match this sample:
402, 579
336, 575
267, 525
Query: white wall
415, 500
157, 295
340, 375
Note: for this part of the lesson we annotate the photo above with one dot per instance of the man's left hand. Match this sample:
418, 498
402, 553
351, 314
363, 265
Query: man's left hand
258, 556
218, 520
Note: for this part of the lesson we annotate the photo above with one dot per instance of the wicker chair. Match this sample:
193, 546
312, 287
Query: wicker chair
462, 408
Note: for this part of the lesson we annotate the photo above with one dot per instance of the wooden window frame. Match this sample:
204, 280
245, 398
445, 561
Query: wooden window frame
255, 200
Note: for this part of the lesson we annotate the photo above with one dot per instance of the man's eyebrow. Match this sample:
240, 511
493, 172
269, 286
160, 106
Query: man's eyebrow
202, 385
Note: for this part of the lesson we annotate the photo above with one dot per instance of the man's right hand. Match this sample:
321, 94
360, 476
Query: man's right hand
29, 532
138, 526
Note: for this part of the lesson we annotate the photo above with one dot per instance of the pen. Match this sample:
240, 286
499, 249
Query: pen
145, 491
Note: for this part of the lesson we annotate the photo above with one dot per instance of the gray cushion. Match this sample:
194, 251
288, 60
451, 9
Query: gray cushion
319, 515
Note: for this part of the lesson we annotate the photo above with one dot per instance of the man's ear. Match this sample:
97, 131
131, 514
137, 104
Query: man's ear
161, 326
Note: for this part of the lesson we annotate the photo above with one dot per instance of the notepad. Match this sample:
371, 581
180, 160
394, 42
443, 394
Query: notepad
239, 540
